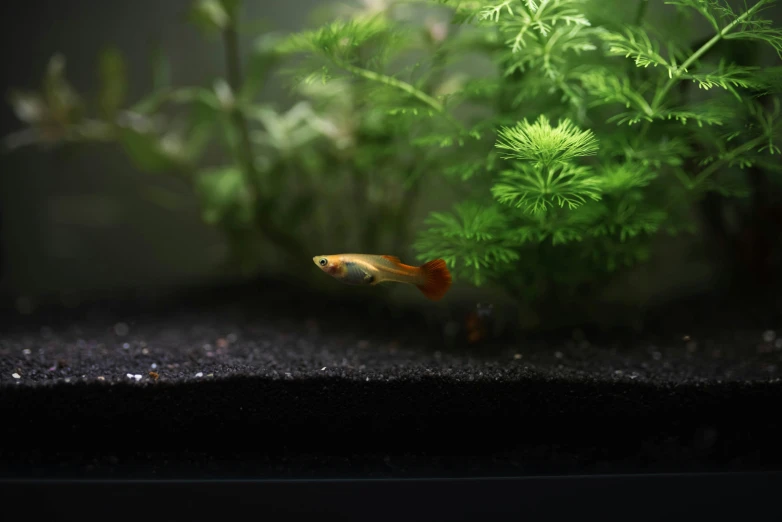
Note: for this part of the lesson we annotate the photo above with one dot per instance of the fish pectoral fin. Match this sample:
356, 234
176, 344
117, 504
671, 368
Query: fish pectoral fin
369, 279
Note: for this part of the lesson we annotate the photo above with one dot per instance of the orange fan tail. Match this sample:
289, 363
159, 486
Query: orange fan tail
437, 279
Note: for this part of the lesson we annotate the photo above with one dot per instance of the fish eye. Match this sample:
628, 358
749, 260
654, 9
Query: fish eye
322, 261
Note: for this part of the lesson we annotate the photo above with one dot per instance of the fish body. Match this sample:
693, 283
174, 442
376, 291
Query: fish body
432, 278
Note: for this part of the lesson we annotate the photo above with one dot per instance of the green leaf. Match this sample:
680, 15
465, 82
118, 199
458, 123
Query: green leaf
203, 123
151, 102
263, 57
532, 21
224, 195
771, 79
472, 240
747, 25
539, 37
536, 190
708, 113
728, 77
466, 170
631, 117
29, 107
543, 144
64, 104
636, 44
606, 86
701, 118
709, 9
196, 95
343, 40
621, 177
629, 220
146, 150
113, 82
230, 136
211, 16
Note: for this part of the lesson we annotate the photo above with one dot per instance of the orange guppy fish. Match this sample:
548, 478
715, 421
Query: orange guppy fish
432, 278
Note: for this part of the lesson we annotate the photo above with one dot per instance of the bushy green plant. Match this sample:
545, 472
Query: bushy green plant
580, 144
571, 133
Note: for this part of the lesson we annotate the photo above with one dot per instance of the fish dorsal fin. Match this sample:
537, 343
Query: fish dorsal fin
393, 259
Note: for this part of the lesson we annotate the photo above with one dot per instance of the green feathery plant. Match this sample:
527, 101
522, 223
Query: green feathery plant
580, 145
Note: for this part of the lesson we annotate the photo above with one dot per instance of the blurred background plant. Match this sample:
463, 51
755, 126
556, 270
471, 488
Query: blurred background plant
548, 144
246, 161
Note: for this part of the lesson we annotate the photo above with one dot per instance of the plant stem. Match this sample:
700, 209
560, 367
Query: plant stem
401, 85
231, 41
393, 82
276, 235
677, 73
708, 171
641, 12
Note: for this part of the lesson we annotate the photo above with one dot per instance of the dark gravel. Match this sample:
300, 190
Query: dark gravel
223, 388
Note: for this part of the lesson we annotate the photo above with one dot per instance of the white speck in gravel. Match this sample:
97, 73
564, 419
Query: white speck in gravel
67, 379
769, 335
26, 351
125, 346
154, 366
16, 376
101, 378
323, 369
137, 377
129, 375
199, 374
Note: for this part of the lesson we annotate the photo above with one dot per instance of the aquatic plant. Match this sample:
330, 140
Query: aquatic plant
584, 138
